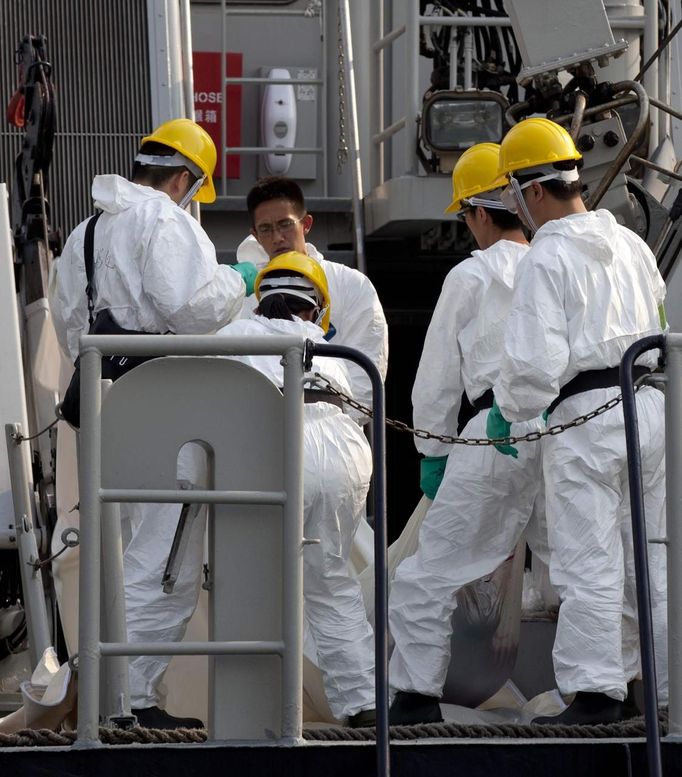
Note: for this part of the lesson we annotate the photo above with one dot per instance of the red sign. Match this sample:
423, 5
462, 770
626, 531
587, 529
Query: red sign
208, 99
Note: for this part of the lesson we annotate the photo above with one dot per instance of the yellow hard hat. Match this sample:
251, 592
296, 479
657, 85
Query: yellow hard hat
193, 142
535, 142
475, 173
301, 265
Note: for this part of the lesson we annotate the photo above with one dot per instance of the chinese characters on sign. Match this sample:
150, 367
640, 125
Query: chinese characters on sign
208, 97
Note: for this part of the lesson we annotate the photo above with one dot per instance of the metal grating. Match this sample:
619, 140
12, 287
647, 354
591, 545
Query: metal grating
100, 57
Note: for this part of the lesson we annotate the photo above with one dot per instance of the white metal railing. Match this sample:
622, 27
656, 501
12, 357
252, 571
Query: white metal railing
251, 80
380, 40
93, 498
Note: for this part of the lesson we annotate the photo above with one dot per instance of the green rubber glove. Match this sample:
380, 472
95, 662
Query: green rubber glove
249, 272
545, 416
497, 427
431, 471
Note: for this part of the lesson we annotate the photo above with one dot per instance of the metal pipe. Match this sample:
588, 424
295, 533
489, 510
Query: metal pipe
578, 114
646, 631
255, 648
89, 466
515, 110
452, 54
323, 107
655, 167
117, 686
223, 99
603, 108
274, 11
412, 96
292, 542
665, 107
468, 57
271, 150
262, 80
650, 78
194, 496
188, 76
673, 499
382, 43
354, 137
188, 345
389, 131
505, 21
628, 146
380, 543
376, 106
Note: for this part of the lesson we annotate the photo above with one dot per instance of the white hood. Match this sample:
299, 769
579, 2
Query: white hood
593, 234
114, 194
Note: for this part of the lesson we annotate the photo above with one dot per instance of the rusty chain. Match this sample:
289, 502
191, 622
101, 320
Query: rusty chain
449, 439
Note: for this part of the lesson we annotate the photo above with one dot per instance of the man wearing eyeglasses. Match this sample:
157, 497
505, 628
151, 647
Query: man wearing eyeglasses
280, 223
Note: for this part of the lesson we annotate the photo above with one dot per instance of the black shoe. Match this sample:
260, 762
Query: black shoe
631, 701
588, 708
363, 719
410, 708
154, 717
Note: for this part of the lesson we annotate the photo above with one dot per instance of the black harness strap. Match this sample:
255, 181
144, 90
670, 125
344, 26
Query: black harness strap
593, 379
89, 257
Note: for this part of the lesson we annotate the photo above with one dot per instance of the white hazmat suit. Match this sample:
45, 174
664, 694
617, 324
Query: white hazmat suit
357, 316
156, 271
587, 290
337, 470
485, 500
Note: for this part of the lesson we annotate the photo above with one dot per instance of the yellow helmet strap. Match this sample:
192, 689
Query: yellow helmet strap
488, 200
321, 314
549, 173
174, 160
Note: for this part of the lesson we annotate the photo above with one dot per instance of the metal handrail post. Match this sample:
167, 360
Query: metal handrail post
223, 100
376, 102
356, 162
89, 478
380, 542
411, 86
117, 691
673, 497
292, 604
639, 539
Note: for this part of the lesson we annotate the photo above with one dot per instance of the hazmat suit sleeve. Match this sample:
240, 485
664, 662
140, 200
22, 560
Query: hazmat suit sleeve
438, 387
536, 343
190, 290
362, 326
66, 294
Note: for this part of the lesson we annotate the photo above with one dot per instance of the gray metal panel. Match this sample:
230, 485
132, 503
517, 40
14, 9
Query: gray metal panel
407, 205
246, 438
101, 73
553, 34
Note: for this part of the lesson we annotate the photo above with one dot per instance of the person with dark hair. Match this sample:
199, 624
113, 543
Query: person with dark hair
293, 299
280, 223
481, 506
587, 290
155, 270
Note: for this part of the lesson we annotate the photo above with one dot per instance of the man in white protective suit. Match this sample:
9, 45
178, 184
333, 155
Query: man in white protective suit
280, 223
294, 300
587, 290
482, 501
155, 270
